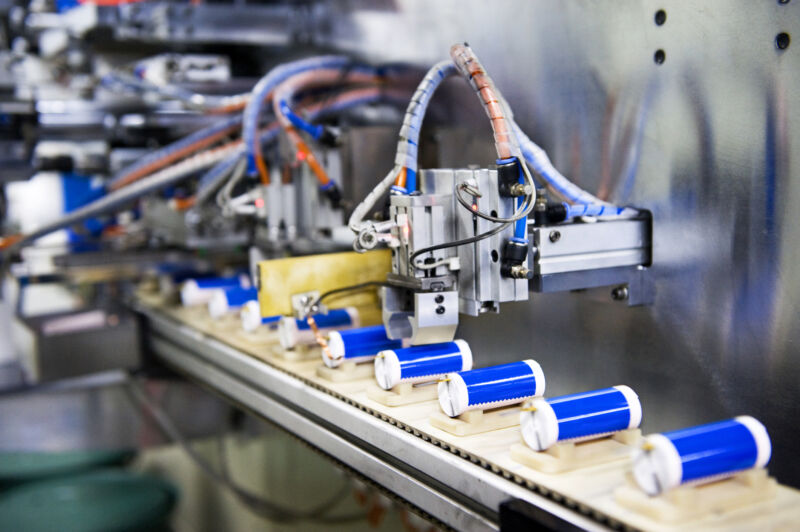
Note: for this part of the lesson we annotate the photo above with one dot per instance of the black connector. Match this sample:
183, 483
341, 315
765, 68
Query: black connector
59, 163
513, 265
334, 195
553, 213
507, 176
330, 136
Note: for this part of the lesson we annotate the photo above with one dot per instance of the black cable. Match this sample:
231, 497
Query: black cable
262, 507
456, 243
352, 288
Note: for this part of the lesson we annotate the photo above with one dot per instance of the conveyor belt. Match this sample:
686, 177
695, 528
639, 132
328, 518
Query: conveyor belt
459, 480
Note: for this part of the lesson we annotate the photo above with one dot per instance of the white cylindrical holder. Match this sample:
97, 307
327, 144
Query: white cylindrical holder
294, 332
200, 291
252, 318
701, 454
579, 417
492, 387
228, 300
357, 345
421, 363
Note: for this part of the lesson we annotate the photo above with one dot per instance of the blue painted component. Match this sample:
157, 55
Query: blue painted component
411, 179
78, 191
713, 449
207, 283
334, 318
499, 383
238, 296
587, 413
270, 320
424, 360
63, 6
366, 341
315, 131
520, 226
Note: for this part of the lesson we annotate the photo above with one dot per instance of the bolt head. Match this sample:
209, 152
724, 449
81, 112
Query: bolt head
555, 236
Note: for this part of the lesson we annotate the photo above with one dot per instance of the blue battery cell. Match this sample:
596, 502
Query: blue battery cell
294, 332
701, 454
358, 345
492, 387
579, 417
200, 291
421, 363
252, 319
226, 300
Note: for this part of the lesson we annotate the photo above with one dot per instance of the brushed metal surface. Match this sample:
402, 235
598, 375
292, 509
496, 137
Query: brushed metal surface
704, 139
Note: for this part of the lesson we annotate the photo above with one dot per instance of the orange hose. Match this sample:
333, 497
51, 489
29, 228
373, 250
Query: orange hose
263, 170
310, 158
400, 180
468, 63
182, 204
9, 241
178, 154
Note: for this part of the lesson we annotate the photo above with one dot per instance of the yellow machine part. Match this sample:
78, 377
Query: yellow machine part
280, 279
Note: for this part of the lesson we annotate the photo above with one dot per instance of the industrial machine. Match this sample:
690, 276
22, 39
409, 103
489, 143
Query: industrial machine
206, 185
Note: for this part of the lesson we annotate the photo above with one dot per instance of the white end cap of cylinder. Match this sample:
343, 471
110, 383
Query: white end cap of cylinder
634, 405
355, 319
657, 465
251, 316
387, 369
763, 443
336, 349
287, 332
218, 304
538, 375
539, 426
191, 294
466, 354
453, 395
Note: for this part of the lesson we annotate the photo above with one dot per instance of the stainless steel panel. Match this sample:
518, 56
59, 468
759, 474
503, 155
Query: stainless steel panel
704, 139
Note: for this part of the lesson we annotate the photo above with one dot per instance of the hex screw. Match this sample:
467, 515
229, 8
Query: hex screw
555, 236
619, 293
439, 299
440, 310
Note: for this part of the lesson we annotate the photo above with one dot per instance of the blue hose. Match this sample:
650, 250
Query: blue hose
521, 225
273, 78
161, 153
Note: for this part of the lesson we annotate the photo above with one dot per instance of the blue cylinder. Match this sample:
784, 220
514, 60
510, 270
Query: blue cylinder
252, 318
295, 332
701, 454
226, 300
421, 363
200, 291
358, 345
579, 417
492, 387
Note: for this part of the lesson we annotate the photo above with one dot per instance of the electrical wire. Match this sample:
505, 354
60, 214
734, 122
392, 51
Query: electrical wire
170, 153
212, 104
313, 307
265, 86
457, 243
266, 508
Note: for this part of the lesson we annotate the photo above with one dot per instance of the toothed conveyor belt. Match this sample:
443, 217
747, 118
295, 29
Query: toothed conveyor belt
460, 481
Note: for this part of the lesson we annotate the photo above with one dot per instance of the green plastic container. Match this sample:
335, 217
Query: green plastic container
100, 501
